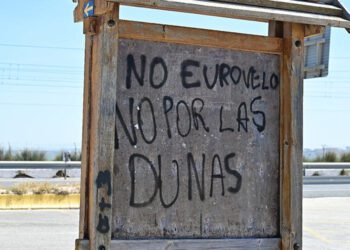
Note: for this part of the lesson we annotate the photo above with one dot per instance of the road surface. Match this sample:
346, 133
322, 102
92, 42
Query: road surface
326, 223
38, 229
322, 190
326, 227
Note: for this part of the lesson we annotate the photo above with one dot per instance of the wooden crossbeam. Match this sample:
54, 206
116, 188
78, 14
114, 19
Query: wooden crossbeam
300, 6
240, 11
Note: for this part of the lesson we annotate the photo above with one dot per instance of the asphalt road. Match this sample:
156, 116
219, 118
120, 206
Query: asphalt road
322, 190
326, 223
326, 226
38, 229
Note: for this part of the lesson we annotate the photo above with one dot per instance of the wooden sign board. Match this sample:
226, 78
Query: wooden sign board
190, 138
196, 149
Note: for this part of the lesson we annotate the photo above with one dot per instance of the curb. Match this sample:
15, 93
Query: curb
39, 201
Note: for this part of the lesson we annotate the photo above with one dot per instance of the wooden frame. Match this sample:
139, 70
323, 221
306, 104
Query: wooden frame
264, 11
302, 6
291, 131
285, 40
97, 148
206, 244
201, 37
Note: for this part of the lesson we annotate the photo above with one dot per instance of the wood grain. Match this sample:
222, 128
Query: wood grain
299, 6
85, 161
206, 244
346, 14
313, 30
200, 37
239, 11
291, 130
253, 210
103, 97
291, 143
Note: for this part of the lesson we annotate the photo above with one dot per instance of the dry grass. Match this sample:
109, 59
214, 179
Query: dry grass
41, 188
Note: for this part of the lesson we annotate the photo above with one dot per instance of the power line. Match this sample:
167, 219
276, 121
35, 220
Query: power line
40, 104
66, 80
22, 70
334, 96
39, 47
41, 85
72, 92
327, 110
340, 57
40, 65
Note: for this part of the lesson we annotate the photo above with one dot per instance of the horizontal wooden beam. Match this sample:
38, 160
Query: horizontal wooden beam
156, 244
239, 11
346, 13
312, 30
200, 37
300, 6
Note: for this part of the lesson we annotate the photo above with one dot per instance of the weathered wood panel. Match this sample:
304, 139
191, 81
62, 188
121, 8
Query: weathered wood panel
197, 142
221, 244
292, 136
102, 98
294, 5
200, 37
255, 13
85, 161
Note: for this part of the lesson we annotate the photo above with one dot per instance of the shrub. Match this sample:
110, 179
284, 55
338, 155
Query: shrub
74, 156
330, 157
305, 159
318, 159
30, 155
6, 155
345, 157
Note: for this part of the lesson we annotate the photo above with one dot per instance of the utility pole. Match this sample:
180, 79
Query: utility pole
323, 151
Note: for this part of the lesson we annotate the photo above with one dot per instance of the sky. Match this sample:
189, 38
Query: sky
41, 75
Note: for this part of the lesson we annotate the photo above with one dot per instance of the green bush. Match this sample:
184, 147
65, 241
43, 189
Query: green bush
6, 155
305, 159
318, 159
30, 155
23, 155
330, 157
345, 157
74, 156
327, 157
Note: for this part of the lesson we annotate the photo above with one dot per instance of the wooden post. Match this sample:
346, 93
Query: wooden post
291, 132
98, 130
85, 161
